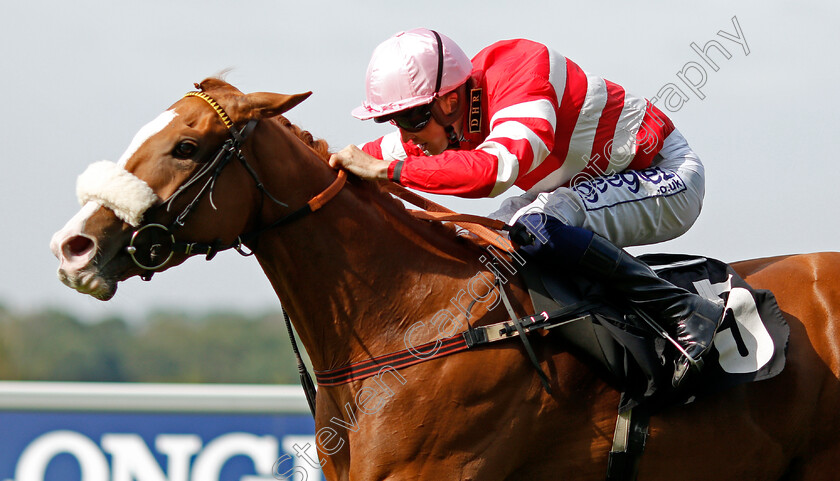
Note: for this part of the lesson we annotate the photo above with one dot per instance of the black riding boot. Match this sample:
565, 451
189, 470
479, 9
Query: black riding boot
691, 319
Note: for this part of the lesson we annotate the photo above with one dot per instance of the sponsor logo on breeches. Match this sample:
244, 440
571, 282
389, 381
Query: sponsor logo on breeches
628, 186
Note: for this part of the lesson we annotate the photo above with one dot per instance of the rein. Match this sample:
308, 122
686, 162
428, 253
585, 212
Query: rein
473, 337
231, 148
481, 227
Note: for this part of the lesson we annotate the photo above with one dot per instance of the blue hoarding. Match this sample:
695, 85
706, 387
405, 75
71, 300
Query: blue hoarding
113, 444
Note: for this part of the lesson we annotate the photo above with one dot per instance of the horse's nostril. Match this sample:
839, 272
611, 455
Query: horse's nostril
77, 246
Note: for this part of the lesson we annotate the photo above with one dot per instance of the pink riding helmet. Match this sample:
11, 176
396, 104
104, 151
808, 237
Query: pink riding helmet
410, 69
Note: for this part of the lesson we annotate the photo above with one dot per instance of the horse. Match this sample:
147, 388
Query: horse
357, 273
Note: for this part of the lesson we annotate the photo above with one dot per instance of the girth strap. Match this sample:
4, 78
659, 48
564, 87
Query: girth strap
472, 338
517, 323
631, 432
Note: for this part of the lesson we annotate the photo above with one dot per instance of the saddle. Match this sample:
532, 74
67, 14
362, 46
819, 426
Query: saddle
750, 344
609, 334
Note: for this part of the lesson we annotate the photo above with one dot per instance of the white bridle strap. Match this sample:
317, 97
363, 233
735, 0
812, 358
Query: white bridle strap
111, 186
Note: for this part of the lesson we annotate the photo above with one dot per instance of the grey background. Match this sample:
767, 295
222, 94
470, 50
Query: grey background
80, 78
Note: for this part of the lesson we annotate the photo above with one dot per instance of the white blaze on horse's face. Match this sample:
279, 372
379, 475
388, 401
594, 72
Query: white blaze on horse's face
109, 185
145, 132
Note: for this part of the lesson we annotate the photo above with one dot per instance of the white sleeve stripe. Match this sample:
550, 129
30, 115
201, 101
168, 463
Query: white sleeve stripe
557, 73
596, 96
516, 131
508, 166
539, 109
624, 140
583, 136
392, 147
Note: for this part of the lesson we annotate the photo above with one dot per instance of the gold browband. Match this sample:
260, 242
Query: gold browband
218, 108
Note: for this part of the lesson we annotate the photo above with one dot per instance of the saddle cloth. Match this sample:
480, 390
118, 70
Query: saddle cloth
750, 345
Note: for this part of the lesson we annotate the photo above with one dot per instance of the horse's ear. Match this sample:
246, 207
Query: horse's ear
270, 104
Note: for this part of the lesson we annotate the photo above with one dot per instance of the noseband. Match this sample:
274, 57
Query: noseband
231, 148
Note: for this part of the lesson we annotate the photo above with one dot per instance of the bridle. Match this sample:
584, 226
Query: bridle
230, 149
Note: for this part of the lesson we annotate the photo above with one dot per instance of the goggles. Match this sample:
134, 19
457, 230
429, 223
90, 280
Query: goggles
415, 119
411, 120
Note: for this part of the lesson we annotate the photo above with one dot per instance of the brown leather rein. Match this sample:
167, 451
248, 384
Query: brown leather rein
487, 230
483, 228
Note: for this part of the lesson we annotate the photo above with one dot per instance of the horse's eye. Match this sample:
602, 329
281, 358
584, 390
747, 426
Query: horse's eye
185, 149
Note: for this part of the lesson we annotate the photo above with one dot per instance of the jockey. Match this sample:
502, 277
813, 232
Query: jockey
601, 168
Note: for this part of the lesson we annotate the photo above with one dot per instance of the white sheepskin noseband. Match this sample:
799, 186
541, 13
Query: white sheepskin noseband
111, 186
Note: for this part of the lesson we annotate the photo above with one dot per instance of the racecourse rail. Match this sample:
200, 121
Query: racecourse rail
151, 397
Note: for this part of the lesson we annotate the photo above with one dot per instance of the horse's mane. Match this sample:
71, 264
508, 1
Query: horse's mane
322, 149
320, 146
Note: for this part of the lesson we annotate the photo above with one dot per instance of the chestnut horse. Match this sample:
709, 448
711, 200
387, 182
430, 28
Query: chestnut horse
359, 273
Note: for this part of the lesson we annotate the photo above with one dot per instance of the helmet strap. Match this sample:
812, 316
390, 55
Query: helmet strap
440, 62
448, 120
452, 136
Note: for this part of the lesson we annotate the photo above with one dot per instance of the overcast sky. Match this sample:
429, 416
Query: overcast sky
80, 78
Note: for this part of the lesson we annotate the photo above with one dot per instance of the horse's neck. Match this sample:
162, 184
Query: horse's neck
357, 274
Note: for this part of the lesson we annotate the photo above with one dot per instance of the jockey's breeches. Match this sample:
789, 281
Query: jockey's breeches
632, 207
